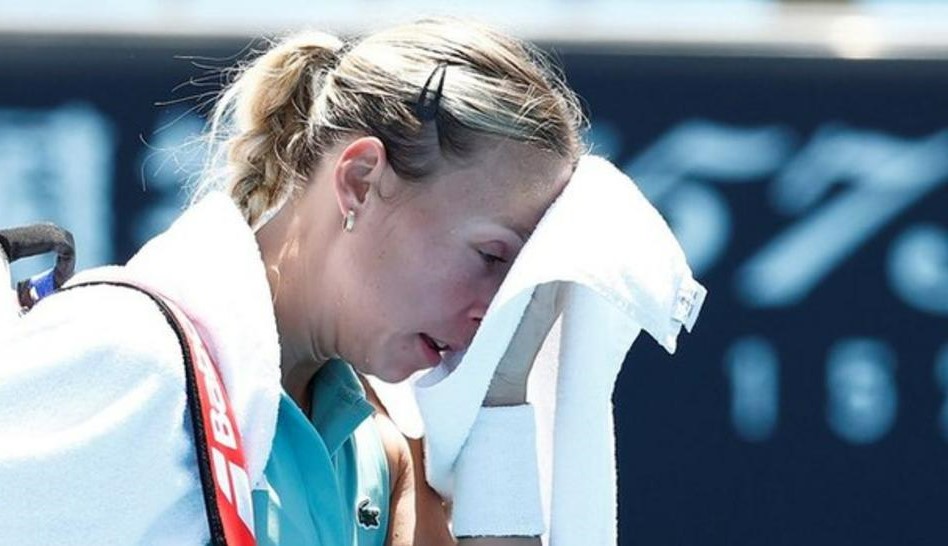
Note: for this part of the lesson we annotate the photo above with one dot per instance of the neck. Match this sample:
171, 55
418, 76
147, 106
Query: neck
305, 332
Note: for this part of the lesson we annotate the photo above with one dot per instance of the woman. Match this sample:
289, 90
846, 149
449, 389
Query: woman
368, 201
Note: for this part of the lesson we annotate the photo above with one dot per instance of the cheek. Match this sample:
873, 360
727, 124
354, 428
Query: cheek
438, 285
414, 274
435, 284
391, 275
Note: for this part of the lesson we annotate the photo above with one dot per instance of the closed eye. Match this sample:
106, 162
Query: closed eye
491, 259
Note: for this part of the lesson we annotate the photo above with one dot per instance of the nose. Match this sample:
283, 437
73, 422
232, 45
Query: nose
477, 310
474, 317
477, 315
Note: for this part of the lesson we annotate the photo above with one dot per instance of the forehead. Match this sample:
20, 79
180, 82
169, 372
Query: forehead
510, 182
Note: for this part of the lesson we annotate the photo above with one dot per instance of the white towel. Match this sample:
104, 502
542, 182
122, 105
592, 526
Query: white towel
622, 271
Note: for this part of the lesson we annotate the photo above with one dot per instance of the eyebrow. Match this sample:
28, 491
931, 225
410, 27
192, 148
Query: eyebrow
519, 229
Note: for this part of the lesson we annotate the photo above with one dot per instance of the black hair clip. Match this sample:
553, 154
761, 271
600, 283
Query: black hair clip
428, 101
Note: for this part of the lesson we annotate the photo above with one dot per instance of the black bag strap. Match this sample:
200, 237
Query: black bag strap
214, 521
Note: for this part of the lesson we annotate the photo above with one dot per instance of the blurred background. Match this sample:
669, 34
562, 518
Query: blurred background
799, 150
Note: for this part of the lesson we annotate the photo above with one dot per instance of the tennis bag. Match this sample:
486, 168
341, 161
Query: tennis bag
221, 463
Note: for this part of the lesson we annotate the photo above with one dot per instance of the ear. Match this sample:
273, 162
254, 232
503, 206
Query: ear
358, 170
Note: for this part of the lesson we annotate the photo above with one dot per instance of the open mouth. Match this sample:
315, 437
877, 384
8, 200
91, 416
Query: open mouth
435, 345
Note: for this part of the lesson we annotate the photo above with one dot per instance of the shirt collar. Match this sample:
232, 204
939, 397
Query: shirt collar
339, 404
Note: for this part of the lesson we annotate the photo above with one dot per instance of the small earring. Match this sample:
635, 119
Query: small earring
350, 221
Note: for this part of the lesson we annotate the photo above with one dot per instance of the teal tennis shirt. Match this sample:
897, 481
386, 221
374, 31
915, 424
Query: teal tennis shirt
327, 476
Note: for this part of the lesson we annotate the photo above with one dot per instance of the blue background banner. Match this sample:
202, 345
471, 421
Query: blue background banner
809, 406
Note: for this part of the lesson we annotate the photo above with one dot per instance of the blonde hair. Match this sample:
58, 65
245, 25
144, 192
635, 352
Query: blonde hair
312, 89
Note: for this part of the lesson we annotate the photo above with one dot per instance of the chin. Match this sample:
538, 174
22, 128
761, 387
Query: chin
390, 375
391, 366
396, 372
387, 371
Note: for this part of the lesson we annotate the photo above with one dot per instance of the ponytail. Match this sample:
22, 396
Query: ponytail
272, 146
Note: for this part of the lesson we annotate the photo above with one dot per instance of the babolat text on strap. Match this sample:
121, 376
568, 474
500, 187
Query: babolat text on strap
221, 462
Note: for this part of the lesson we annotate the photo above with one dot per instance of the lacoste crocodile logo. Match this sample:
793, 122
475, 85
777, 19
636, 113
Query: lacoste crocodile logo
368, 515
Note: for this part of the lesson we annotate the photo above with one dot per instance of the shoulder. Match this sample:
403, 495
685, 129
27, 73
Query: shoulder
104, 317
91, 381
114, 334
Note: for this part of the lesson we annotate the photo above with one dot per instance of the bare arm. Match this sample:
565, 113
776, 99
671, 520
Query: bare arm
418, 516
